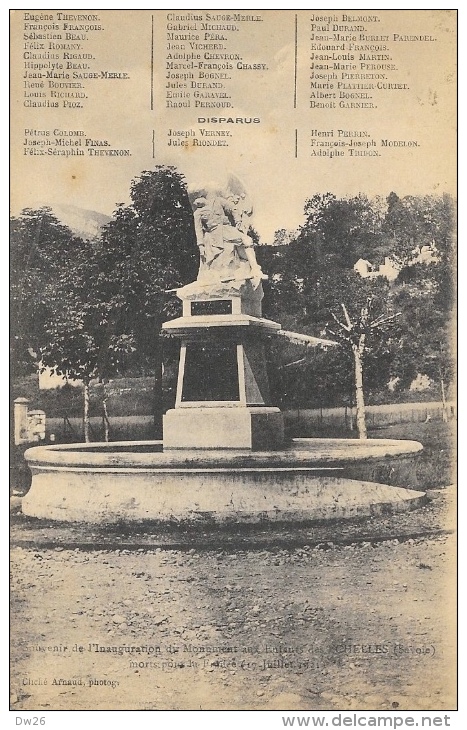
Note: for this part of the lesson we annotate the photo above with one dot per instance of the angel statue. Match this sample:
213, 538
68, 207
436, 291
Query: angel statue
222, 221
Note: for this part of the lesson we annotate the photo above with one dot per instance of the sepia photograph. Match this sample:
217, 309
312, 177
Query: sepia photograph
233, 406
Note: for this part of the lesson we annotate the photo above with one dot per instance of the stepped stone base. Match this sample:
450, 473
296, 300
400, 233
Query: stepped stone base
229, 428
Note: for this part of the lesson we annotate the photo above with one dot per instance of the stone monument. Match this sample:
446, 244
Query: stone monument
222, 398
223, 457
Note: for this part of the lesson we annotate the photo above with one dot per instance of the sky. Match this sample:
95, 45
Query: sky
278, 175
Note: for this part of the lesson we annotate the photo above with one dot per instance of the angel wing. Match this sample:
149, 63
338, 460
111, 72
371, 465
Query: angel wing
242, 207
235, 186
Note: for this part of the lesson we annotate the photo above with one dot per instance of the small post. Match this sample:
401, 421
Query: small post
21, 421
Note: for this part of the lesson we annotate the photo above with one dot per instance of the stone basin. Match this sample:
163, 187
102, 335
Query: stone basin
310, 480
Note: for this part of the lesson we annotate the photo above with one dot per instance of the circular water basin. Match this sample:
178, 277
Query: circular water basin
311, 479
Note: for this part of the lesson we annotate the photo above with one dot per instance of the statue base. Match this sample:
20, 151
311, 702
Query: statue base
210, 427
222, 399
243, 296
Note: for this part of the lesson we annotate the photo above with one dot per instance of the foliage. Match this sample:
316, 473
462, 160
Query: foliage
92, 311
147, 249
41, 248
312, 276
95, 309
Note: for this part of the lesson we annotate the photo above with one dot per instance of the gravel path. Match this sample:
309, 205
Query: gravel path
327, 617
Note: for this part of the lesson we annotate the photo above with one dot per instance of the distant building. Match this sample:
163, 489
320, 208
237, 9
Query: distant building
425, 255
390, 269
363, 267
420, 383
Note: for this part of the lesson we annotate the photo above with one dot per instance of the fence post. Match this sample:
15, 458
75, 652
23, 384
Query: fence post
20, 417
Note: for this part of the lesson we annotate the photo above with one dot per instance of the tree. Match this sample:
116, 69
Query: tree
426, 329
75, 340
414, 222
147, 249
356, 333
337, 232
283, 237
313, 275
59, 304
41, 248
425, 294
88, 310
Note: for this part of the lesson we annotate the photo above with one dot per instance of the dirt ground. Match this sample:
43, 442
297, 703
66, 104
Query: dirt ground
343, 616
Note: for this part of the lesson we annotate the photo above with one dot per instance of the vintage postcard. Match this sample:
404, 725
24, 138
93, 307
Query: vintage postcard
233, 393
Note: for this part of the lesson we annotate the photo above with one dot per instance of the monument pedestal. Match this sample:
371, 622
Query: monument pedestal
223, 428
222, 396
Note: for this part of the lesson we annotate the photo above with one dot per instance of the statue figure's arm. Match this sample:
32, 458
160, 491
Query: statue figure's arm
229, 210
199, 231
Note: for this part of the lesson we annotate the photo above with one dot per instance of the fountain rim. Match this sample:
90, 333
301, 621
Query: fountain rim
300, 453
